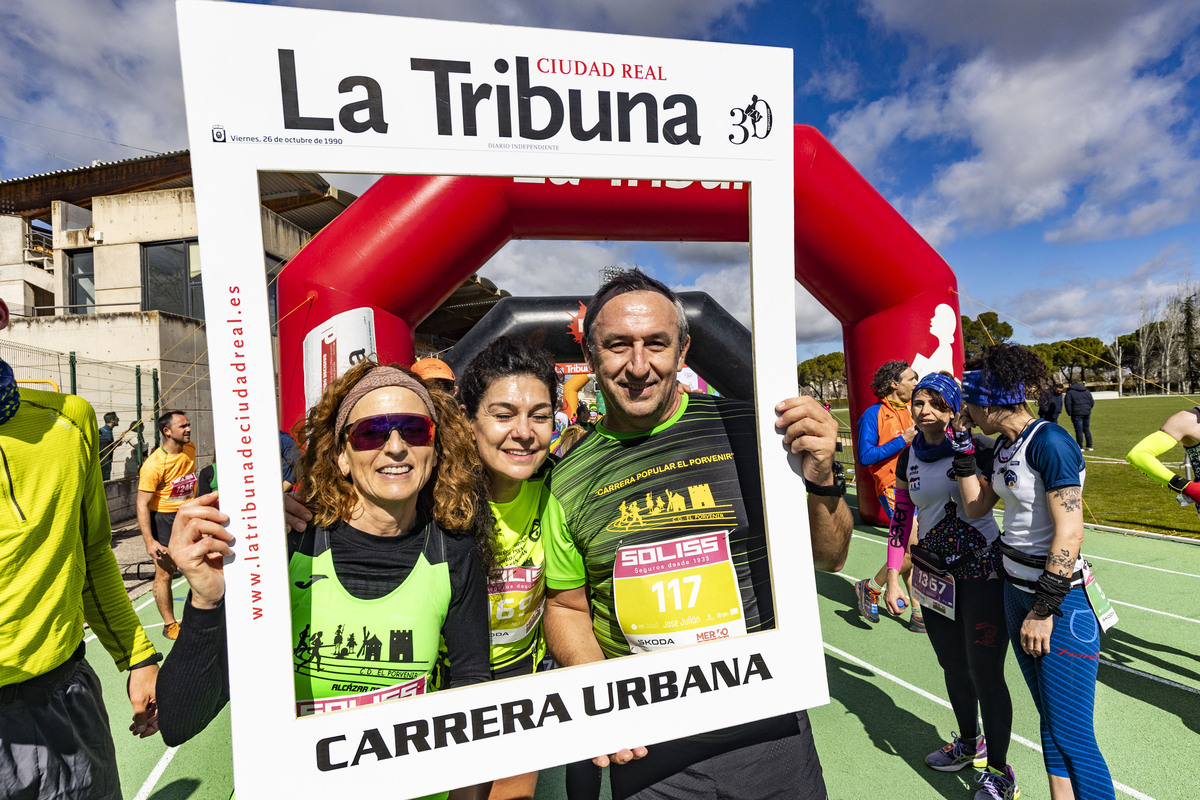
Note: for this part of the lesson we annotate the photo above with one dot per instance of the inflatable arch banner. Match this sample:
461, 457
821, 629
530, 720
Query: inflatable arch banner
894, 295
489, 138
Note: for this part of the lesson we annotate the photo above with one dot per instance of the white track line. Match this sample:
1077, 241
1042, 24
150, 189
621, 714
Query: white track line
1154, 611
916, 689
155, 774
1142, 566
1085, 555
1141, 674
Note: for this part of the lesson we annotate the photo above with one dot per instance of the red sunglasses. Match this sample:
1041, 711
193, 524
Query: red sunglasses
372, 433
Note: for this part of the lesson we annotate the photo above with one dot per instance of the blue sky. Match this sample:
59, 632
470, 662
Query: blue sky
1049, 150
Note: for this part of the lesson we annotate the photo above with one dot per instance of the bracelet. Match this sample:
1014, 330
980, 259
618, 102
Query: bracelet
149, 662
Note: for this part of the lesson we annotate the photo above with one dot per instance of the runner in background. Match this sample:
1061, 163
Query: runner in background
1055, 631
1182, 427
956, 567
165, 482
884, 430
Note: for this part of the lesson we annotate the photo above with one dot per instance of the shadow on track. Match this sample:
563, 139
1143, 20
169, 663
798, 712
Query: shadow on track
893, 730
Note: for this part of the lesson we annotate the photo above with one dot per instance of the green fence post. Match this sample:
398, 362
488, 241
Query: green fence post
72, 360
141, 426
157, 406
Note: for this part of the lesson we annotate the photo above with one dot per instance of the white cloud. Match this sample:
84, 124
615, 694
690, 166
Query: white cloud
110, 68
1072, 113
1098, 306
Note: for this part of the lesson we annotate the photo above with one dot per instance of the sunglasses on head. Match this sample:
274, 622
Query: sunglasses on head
372, 433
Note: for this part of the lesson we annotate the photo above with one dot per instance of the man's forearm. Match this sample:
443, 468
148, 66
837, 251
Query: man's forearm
569, 636
830, 525
143, 518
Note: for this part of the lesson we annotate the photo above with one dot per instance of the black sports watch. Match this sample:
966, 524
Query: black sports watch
837, 489
1042, 608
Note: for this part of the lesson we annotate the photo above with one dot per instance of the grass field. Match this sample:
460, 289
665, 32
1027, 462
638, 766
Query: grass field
1115, 493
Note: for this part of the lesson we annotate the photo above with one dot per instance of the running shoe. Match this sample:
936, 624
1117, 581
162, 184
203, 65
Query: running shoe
171, 631
997, 785
954, 756
916, 622
868, 600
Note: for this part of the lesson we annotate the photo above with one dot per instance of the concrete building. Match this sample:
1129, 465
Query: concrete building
100, 267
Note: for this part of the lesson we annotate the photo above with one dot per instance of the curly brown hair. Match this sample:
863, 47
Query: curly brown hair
454, 493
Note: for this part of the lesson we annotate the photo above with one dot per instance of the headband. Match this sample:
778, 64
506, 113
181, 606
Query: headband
977, 392
946, 387
378, 378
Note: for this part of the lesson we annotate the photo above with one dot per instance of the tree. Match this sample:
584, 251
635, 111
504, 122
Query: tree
983, 331
822, 375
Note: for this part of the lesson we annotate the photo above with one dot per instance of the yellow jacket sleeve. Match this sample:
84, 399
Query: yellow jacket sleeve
1145, 453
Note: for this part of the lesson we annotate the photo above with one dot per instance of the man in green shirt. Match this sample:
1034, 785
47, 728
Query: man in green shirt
679, 473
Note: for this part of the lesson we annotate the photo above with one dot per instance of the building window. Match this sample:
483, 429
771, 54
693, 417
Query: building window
81, 287
274, 267
171, 278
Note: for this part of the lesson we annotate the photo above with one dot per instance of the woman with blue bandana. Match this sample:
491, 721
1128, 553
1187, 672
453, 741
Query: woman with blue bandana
955, 570
1038, 472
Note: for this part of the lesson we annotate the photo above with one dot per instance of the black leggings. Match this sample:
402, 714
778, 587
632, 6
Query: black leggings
971, 649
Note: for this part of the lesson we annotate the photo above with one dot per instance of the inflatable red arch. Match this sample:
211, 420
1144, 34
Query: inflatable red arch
409, 241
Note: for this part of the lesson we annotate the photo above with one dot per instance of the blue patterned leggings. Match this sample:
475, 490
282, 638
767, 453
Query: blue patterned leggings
1063, 685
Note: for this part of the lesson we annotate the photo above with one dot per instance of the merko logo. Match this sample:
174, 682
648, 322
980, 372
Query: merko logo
367, 114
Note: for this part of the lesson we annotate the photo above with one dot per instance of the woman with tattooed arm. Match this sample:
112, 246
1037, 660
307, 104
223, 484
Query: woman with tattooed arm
1038, 472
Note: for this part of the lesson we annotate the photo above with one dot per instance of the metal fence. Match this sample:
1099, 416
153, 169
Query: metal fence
130, 391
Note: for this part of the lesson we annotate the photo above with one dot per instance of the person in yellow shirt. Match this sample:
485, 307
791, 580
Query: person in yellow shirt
166, 481
57, 571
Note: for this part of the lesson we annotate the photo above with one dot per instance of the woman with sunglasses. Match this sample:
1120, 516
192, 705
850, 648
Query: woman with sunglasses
508, 393
1038, 472
400, 542
955, 564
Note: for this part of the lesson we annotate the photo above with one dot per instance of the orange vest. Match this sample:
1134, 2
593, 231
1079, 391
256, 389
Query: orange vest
892, 423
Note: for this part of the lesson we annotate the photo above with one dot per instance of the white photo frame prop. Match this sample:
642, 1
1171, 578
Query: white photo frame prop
236, 108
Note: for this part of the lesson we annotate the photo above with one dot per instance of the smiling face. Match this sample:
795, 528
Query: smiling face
388, 480
637, 356
930, 419
513, 426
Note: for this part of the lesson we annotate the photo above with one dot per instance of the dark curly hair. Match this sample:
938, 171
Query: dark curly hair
1009, 367
454, 494
885, 376
504, 357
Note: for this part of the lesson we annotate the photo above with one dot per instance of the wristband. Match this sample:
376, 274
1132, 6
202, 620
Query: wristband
901, 527
1052, 589
1177, 482
149, 662
965, 465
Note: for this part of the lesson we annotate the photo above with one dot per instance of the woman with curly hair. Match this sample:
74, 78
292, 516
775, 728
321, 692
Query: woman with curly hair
955, 565
1038, 472
508, 393
400, 543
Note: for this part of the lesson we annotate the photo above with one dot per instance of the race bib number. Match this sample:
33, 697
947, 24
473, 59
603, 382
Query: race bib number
305, 708
515, 604
677, 592
184, 488
934, 592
